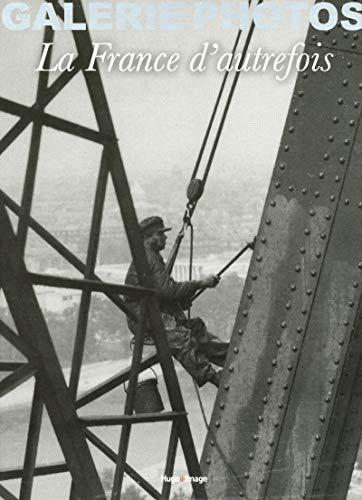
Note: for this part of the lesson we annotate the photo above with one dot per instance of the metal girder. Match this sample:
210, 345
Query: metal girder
288, 413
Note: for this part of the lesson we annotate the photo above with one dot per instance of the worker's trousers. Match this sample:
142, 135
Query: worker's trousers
194, 347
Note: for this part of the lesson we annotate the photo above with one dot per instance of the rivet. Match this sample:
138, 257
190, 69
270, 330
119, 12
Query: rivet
288, 305
327, 399
304, 191
299, 329
304, 495
360, 265
341, 342
295, 111
246, 475
274, 362
291, 188
217, 423
352, 123
331, 380
285, 387
245, 313
231, 368
283, 324
355, 284
323, 236
347, 142
322, 418
226, 387
277, 184
255, 437
268, 222
263, 239
294, 348
286, 148
335, 119
355, 36
291, 130
290, 367
240, 331
340, 100
345, 83
321, 175
261, 418
349, 64
331, 138
318, 254
351, 303
265, 400
297, 269
346, 322
208, 461
332, 197
304, 311
328, 217
250, 295
212, 442
251, 456
270, 381
279, 343
271, 443
254, 277
302, 250
314, 38
293, 287
316, 194
337, 179
307, 232
272, 203
313, 457
360, 204
280, 406
311, 213
236, 350
309, 292
300, 93
353, 45
282, 166
342, 160
261, 481
222, 406
326, 156
336, 361
259, 258
317, 437
313, 273
334, 41
308, 475
276, 424
356, 104
266, 462
241, 494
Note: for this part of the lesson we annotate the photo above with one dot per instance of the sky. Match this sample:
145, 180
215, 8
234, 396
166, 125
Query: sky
160, 119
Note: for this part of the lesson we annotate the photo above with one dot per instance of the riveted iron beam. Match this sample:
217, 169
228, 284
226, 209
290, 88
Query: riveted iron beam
113, 382
13, 338
18, 377
280, 405
40, 470
6, 494
62, 250
49, 94
10, 366
31, 325
108, 452
88, 285
139, 418
48, 120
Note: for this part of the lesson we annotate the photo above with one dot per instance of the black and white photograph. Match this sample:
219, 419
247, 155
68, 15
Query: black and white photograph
180, 250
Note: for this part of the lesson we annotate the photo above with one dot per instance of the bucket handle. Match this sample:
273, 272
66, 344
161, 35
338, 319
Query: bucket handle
152, 370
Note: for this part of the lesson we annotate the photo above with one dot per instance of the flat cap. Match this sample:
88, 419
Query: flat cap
152, 225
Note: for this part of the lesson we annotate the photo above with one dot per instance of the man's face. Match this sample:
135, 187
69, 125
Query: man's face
159, 240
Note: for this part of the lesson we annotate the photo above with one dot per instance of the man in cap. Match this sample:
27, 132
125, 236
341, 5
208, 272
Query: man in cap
190, 342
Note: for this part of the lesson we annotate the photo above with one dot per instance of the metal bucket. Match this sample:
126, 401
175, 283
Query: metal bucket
148, 398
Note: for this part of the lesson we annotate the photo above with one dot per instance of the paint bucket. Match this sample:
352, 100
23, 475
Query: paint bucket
148, 398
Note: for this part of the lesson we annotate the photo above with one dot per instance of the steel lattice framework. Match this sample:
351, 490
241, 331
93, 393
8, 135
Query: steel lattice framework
32, 337
288, 412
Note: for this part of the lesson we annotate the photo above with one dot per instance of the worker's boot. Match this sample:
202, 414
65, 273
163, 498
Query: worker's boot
215, 378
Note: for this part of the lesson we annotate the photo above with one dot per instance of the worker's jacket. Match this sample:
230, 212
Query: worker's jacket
172, 294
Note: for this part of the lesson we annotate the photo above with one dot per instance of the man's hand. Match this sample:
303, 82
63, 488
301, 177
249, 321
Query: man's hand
210, 281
